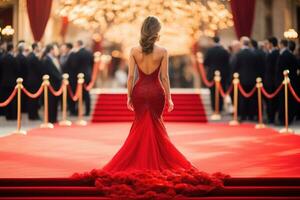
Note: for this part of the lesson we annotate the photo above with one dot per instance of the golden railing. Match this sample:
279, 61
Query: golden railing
63, 91
258, 88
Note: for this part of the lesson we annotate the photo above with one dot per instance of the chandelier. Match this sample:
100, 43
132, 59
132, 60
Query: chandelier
120, 20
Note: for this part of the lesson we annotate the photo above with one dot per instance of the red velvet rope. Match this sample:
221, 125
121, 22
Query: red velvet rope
271, 95
294, 93
9, 99
203, 76
244, 93
73, 96
89, 86
58, 92
33, 95
224, 94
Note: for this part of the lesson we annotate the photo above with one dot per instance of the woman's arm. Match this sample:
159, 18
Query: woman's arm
165, 79
130, 79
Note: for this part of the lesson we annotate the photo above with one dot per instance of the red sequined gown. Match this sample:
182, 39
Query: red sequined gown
148, 146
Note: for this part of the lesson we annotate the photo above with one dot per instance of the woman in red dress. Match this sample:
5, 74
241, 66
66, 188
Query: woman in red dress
148, 163
148, 145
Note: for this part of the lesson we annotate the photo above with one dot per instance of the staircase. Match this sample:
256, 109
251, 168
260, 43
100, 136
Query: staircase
111, 107
65, 188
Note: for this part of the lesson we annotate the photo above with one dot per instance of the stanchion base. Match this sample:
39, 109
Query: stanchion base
215, 117
81, 122
259, 126
19, 132
234, 123
286, 130
65, 123
47, 125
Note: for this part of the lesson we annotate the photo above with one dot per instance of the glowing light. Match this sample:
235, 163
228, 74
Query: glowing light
119, 21
290, 34
8, 30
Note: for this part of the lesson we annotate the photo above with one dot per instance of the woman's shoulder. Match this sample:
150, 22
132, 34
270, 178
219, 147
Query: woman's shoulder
160, 49
135, 49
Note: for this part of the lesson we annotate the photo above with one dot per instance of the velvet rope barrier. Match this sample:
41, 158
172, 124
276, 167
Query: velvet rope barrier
294, 93
73, 96
91, 84
229, 90
58, 92
203, 76
9, 99
271, 95
33, 95
244, 93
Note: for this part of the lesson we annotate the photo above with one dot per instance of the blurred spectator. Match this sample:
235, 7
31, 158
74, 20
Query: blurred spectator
51, 67
234, 48
2, 48
9, 74
245, 64
23, 70
34, 79
292, 46
2, 53
121, 76
286, 61
269, 76
260, 57
217, 58
84, 64
68, 65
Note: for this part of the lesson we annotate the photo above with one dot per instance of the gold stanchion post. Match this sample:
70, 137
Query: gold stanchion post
259, 101
216, 115
80, 83
46, 123
64, 121
286, 81
19, 108
235, 82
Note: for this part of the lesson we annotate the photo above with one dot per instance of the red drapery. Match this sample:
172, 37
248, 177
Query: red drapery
38, 13
243, 16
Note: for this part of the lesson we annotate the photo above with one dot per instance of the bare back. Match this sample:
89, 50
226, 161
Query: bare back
148, 63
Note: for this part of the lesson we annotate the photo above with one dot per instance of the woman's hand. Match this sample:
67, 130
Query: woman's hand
170, 105
129, 104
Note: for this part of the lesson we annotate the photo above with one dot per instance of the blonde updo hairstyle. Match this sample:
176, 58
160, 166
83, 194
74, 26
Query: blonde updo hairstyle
149, 34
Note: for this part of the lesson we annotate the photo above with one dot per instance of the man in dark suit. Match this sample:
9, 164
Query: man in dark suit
291, 46
269, 76
23, 71
21, 58
34, 79
2, 53
68, 65
261, 57
217, 58
286, 61
245, 64
84, 64
9, 74
51, 67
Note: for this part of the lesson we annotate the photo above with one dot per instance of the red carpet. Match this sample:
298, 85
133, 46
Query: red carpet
112, 108
239, 151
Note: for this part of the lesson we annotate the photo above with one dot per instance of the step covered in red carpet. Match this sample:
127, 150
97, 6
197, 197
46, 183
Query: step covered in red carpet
112, 107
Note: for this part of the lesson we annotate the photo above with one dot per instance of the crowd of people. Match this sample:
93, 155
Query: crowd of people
251, 59
31, 63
